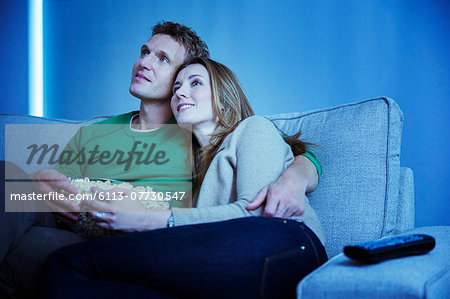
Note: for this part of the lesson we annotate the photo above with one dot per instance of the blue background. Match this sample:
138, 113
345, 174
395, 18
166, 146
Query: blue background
289, 55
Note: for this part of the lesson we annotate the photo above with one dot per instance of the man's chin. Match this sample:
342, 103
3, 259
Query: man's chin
144, 97
133, 92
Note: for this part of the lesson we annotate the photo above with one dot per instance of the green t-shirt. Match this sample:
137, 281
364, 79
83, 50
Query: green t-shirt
111, 150
311, 156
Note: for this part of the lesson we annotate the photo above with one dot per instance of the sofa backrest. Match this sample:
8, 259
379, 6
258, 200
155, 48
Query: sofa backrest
19, 131
363, 193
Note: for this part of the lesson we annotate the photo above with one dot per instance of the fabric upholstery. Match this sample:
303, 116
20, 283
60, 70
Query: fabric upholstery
405, 209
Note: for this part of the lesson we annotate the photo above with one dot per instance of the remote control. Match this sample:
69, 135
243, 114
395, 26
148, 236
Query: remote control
389, 248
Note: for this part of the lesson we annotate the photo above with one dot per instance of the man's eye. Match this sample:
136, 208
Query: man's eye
164, 59
144, 52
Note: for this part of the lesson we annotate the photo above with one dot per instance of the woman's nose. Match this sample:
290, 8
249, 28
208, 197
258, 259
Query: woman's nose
181, 92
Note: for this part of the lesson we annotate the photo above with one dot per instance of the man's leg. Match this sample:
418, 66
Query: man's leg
27, 238
25, 263
242, 258
15, 224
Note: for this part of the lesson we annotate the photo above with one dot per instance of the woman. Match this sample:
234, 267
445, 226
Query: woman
214, 249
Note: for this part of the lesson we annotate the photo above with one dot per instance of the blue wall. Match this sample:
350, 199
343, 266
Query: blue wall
13, 57
289, 55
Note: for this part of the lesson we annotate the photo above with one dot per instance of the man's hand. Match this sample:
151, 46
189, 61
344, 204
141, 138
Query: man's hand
285, 197
50, 180
123, 213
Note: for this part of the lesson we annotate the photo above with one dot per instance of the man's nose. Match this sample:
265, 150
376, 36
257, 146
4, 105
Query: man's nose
148, 61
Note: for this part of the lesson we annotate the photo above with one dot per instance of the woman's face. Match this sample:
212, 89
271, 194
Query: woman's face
192, 98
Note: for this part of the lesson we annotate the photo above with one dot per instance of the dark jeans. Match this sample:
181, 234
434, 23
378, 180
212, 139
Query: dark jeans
26, 238
252, 257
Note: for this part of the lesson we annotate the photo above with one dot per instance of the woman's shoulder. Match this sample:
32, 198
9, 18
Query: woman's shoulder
254, 127
255, 123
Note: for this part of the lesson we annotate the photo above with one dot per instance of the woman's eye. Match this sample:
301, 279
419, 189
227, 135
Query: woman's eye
175, 89
164, 59
195, 83
144, 52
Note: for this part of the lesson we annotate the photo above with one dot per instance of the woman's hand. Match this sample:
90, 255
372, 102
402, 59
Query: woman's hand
116, 209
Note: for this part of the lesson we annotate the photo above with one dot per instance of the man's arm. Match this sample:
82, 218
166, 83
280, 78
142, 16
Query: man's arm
55, 180
286, 196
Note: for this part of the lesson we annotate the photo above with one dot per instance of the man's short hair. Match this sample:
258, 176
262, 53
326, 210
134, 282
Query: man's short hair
194, 45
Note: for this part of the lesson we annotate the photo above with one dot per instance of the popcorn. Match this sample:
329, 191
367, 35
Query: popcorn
86, 225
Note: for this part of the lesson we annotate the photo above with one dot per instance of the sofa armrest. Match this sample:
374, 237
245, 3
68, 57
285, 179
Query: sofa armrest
422, 276
405, 210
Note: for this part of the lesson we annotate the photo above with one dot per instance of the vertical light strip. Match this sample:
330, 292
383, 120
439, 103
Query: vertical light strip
35, 58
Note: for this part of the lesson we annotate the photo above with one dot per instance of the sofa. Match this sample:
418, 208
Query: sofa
364, 194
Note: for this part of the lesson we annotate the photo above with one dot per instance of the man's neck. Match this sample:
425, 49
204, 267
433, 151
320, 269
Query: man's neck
152, 115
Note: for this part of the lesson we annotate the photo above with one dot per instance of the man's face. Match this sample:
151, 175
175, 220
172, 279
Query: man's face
154, 70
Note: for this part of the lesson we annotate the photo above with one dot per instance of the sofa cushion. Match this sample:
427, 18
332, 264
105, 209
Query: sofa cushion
359, 150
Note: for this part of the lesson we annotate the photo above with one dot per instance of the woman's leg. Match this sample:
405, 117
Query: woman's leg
241, 258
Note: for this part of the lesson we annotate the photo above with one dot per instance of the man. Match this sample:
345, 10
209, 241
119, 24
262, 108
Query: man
170, 45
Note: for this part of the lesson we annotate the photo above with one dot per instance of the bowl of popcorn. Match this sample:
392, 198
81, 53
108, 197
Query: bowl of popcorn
87, 225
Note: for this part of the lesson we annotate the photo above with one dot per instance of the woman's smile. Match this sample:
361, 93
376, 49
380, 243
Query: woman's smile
184, 106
